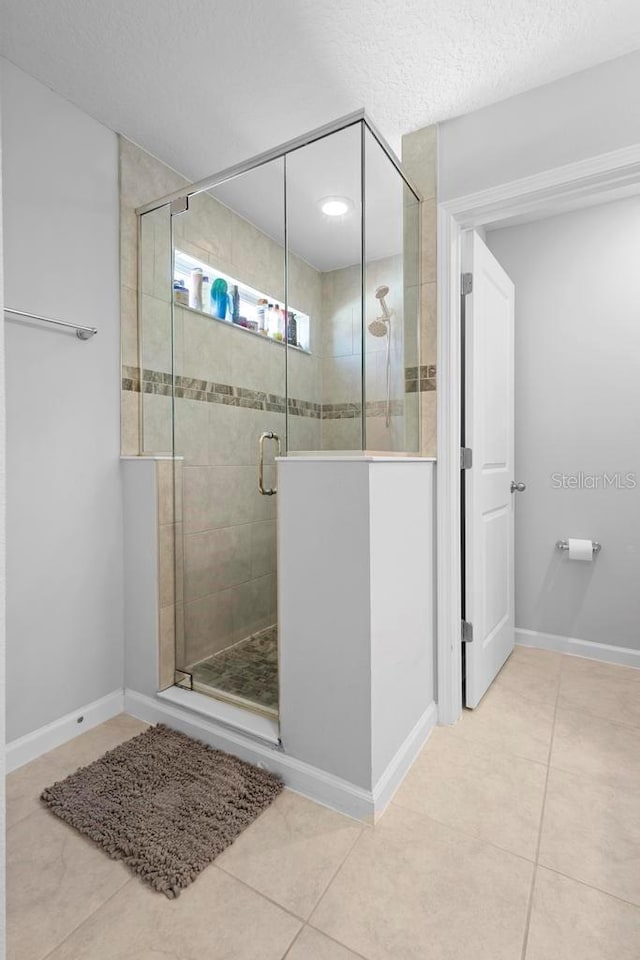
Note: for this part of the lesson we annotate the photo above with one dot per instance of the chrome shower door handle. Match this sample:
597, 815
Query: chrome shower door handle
269, 435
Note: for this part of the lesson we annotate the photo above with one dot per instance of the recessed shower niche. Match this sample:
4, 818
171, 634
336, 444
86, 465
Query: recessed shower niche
278, 317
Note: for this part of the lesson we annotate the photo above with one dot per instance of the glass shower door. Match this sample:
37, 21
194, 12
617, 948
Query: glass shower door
229, 422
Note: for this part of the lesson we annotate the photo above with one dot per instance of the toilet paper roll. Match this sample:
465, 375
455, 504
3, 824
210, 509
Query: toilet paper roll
580, 549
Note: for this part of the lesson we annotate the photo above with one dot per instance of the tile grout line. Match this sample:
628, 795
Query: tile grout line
336, 871
258, 893
334, 877
498, 750
89, 916
43, 809
307, 926
590, 886
338, 943
468, 836
527, 927
293, 943
302, 920
572, 709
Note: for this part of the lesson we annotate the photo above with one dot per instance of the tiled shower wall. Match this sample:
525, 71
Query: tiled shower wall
419, 158
342, 361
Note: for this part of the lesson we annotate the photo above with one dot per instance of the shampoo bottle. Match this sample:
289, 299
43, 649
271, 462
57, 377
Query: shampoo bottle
277, 323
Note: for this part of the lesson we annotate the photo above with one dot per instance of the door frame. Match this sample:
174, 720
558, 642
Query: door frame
573, 186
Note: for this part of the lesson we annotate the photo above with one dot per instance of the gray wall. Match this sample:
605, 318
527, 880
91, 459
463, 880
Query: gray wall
2, 588
577, 409
64, 529
589, 113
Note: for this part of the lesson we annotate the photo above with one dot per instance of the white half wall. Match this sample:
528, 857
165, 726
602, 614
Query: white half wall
583, 115
355, 612
64, 529
577, 415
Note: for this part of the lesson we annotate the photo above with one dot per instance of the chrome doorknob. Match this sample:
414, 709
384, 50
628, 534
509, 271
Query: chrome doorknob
520, 487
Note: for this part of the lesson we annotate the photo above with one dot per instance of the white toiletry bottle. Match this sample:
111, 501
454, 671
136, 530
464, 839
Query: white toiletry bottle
206, 295
195, 300
261, 313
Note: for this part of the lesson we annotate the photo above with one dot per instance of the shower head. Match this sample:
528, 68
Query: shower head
378, 327
381, 293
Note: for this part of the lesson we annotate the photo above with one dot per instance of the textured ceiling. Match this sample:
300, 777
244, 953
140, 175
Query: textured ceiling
202, 84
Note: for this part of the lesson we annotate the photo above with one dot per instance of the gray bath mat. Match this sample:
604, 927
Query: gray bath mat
164, 804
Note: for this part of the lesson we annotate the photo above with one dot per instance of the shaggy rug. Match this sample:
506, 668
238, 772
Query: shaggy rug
164, 804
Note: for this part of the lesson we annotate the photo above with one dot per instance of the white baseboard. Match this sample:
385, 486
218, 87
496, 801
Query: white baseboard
301, 777
54, 734
401, 763
606, 653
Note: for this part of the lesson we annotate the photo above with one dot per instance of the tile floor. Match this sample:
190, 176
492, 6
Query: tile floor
515, 836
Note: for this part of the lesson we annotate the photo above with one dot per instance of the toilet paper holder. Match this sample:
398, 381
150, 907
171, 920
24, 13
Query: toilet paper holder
564, 545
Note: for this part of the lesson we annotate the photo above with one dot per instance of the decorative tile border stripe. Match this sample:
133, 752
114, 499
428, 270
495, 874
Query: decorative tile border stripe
189, 388
351, 411
341, 411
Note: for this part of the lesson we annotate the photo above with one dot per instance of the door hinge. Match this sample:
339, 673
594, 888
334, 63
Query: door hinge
467, 632
466, 284
466, 458
179, 205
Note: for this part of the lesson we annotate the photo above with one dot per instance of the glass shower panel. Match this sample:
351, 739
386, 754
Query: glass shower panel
229, 414
324, 234
155, 332
391, 289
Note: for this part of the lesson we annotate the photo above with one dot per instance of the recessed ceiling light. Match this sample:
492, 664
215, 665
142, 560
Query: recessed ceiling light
336, 206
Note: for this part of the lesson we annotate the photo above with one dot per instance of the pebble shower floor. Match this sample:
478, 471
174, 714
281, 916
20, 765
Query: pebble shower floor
248, 670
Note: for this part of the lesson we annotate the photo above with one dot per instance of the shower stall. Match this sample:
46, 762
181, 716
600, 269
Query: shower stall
278, 316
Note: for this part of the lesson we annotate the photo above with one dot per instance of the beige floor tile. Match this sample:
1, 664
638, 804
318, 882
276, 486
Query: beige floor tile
411, 887
534, 674
55, 880
580, 665
313, 945
571, 921
90, 745
507, 721
597, 747
216, 918
544, 660
591, 832
291, 852
600, 689
489, 794
25, 785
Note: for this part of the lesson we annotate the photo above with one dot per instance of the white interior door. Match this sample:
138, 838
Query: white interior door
489, 431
